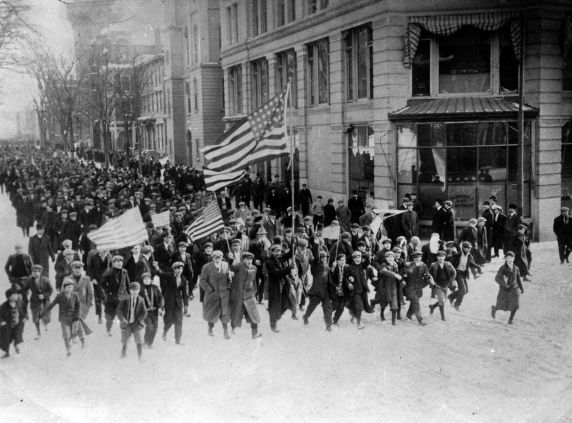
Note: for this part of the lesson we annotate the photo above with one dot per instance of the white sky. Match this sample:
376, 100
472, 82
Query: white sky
48, 17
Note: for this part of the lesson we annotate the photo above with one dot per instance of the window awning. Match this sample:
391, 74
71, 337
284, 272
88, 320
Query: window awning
445, 25
461, 108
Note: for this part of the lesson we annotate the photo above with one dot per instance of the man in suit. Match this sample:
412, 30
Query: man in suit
40, 291
489, 218
40, 249
114, 287
164, 251
155, 305
563, 230
132, 312
436, 224
447, 221
19, 265
356, 206
497, 231
510, 225
98, 261
410, 222
305, 199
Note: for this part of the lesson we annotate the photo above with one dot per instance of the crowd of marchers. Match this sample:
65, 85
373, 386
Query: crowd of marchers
266, 253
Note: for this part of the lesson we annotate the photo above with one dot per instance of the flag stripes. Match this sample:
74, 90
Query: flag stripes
207, 223
331, 232
120, 232
217, 180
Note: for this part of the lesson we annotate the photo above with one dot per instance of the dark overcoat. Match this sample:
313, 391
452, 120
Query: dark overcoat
242, 295
216, 286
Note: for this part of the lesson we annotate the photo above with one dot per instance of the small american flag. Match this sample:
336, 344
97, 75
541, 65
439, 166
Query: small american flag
331, 232
123, 231
207, 223
161, 219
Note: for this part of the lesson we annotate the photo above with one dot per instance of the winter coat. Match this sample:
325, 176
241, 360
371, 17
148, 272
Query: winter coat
140, 312
510, 287
242, 300
389, 285
69, 308
40, 251
416, 278
84, 290
216, 286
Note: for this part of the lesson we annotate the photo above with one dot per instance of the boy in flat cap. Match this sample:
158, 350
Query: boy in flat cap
278, 267
242, 301
510, 288
131, 313
443, 274
322, 288
215, 280
40, 291
340, 274
13, 314
417, 277
114, 287
175, 289
69, 313
155, 305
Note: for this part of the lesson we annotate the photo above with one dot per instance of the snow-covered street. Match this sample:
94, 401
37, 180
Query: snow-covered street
469, 369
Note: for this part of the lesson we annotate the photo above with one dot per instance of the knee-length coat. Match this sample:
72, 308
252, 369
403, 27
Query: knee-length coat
278, 287
84, 290
389, 286
242, 295
510, 286
217, 294
358, 300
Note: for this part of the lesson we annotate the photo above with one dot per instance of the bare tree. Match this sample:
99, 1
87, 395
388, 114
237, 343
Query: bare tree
14, 33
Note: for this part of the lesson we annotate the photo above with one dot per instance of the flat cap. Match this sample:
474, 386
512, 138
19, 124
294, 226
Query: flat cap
217, 253
417, 254
177, 264
76, 263
38, 267
117, 258
247, 255
134, 285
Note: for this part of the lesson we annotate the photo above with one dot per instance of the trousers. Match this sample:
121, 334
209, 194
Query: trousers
326, 307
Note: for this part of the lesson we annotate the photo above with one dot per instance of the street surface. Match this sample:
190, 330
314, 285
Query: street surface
469, 369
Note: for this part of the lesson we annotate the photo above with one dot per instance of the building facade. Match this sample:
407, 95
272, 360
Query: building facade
408, 96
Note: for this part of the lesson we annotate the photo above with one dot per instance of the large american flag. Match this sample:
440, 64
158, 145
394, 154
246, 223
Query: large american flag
261, 136
120, 232
207, 223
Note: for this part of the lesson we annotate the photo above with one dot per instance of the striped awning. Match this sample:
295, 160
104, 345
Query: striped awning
461, 108
445, 25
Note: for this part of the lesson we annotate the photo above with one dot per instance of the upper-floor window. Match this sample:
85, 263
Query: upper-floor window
259, 17
313, 6
195, 44
232, 23
187, 44
470, 61
286, 71
188, 95
258, 83
319, 72
235, 90
196, 94
358, 64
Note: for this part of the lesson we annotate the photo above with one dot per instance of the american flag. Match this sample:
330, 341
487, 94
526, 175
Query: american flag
331, 232
261, 136
207, 223
120, 232
161, 219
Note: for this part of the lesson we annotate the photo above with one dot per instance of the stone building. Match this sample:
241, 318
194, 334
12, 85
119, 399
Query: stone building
393, 97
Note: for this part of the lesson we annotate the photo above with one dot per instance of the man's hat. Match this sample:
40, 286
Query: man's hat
341, 256
217, 253
73, 213
521, 226
247, 255
145, 275
276, 247
303, 242
37, 267
346, 235
146, 249
355, 226
67, 282
68, 253
564, 209
76, 263
182, 244
509, 253
389, 253
512, 206
261, 231
134, 285
11, 291
177, 264
441, 254
417, 254
386, 240
466, 244
356, 254
236, 241
207, 244
116, 258
324, 254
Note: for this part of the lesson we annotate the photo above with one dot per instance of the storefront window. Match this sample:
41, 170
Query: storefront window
463, 162
464, 62
361, 153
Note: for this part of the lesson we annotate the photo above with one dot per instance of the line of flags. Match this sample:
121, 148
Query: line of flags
261, 136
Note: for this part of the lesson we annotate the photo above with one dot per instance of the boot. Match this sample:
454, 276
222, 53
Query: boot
255, 333
123, 351
421, 322
305, 319
493, 312
226, 335
433, 307
274, 329
393, 316
512, 313
140, 352
210, 332
442, 310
